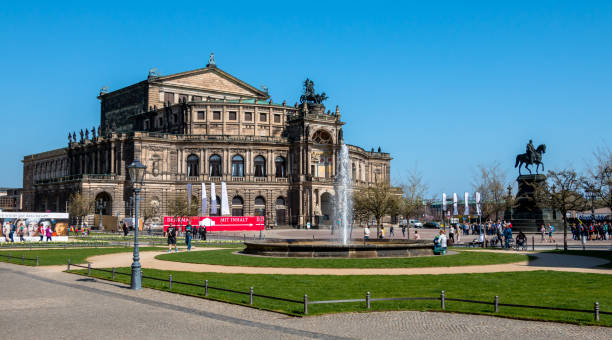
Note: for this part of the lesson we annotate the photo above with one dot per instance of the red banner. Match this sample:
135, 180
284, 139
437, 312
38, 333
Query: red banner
217, 223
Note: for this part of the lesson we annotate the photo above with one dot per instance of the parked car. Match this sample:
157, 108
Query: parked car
434, 225
415, 224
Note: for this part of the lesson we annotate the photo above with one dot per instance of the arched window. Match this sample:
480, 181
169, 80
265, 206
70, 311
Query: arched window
260, 206
215, 166
193, 165
237, 166
281, 211
237, 206
260, 166
280, 166
322, 137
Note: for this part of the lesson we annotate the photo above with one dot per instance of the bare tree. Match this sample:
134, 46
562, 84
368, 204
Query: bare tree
80, 206
178, 207
378, 200
563, 193
150, 211
601, 176
414, 190
491, 182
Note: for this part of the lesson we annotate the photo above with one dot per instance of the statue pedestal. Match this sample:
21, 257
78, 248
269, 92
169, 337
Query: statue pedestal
528, 214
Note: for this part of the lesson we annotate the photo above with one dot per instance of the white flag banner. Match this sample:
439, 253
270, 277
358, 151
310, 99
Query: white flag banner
213, 199
478, 204
443, 201
455, 204
224, 202
466, 197
204, 200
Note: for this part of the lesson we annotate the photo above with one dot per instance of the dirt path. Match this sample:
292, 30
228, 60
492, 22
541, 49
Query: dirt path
544, 261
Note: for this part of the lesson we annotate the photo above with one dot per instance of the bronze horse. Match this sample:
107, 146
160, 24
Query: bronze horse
537, 159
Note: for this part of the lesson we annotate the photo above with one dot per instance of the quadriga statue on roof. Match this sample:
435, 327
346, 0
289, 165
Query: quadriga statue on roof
309, 96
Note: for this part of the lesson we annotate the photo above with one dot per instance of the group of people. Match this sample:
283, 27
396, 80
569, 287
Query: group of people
12, 231
544, 230
190, 232
593, 231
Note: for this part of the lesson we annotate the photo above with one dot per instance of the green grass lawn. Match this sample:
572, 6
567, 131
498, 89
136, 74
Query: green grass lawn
604, 254
542, 288
228, 258
50, 257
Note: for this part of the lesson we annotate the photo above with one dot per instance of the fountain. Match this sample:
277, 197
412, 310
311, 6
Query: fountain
344, 203
343, 218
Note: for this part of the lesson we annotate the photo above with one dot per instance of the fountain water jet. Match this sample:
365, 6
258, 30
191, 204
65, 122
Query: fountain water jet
344, 201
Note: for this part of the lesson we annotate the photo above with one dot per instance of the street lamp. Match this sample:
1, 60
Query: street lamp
100, 204
137, 172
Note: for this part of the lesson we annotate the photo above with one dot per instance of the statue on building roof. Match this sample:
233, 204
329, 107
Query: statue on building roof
379, 149
74, 136
86, 133
69, 138
99, 134
310, 96
81, 133
211, 60
93, 132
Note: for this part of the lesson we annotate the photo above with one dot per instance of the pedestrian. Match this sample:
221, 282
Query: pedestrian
451, 234
48, 233
381, 233
171, 234
125, 229
188, 235
41, 232
203, 233
416, 235
404, 231
391, 232
12, 233
507, 236
366, 233
551, 229
21, 233
442, 239
543, 231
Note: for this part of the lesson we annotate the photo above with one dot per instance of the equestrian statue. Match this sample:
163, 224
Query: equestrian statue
531, 156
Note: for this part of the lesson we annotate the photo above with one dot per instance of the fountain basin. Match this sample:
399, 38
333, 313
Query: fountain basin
332, 248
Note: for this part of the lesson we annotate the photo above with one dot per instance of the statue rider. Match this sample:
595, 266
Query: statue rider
531, 151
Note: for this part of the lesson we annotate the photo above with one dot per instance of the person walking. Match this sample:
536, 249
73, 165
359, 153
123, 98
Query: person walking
49, 233
391, 232
171, 234
366, 233
188, 235
12, 233
551, 229
543, 231
451, 234
443, 241
403, 231
203, 233
21, 233
381, 233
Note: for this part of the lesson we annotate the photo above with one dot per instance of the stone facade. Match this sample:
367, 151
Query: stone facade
205, 126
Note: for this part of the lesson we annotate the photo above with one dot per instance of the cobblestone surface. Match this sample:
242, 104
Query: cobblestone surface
41, 303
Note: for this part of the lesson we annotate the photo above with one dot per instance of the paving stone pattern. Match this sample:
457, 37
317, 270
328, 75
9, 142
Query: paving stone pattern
42, 303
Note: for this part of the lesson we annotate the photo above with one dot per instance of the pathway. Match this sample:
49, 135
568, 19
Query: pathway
544, 261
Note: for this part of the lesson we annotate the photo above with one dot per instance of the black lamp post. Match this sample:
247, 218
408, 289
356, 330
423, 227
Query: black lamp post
137, 172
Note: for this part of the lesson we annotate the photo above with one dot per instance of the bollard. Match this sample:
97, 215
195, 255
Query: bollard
251, 296
368, 300
206, 288
68, 265
37, 260
442, 302
113, 273
532, 243
8, 257
170, 282
22, 258
305, 304
596, 311
88, 268
496, 303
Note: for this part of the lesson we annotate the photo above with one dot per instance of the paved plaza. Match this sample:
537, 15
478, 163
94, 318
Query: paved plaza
44, 303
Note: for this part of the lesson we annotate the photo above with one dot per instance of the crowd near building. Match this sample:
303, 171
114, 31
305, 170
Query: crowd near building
279, 160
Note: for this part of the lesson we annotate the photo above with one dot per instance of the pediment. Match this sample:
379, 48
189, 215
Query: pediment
213, 79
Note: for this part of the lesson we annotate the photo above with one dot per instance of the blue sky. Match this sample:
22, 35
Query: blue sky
442, 86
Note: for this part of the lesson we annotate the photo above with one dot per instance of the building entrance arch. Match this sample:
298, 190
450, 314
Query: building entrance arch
327, 208
104, 203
